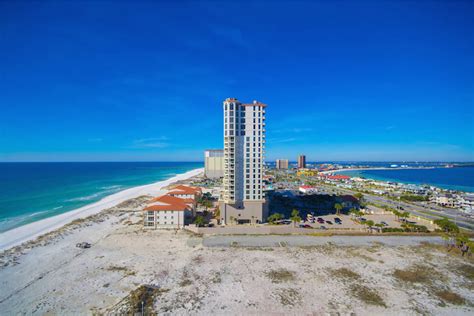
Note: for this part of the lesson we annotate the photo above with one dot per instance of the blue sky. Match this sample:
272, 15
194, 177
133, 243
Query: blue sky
343, 80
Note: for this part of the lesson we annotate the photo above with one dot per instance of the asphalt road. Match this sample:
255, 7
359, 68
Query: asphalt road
305, 241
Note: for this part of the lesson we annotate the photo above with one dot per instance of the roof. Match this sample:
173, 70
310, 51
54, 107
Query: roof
168, 203
306, 187
338, 177
183, 189
255, 103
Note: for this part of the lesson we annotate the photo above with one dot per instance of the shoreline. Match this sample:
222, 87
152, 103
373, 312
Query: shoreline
375, 168
19, 235
460, 188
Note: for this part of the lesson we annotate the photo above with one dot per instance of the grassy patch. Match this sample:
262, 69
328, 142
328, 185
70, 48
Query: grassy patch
465, 270
125, 270
345, 273
259, 248
417, 274
288, 297
450, 297
280, 276
146, 295
367, 295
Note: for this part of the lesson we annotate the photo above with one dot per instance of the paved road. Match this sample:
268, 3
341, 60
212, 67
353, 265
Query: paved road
302, 241
414, 209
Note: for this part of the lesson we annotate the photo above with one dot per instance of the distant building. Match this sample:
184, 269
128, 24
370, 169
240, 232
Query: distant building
446, 200
243, 200
307, 189
214, 163
301, 162
281, 164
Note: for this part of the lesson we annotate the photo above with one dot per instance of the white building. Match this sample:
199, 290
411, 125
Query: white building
243, 200
307, 189
186, 192
168, 212
214, 163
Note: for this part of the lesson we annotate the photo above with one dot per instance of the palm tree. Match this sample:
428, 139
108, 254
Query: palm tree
379, 226
370, 223
353, 212
397, 214
404, 215
338, 208
295, 217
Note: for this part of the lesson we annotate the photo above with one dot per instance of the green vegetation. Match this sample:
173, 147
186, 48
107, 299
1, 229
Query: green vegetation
447, 226
199, 221
367, 295
416, 274
280, 276
450, 297
345, 273
338, 207
275, 217
141, 300
295, 216
414, 198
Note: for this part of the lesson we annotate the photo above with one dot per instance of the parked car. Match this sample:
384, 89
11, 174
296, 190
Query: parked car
384, 223
329, 222
320, 220
337, 220
83, 245
362, 219
322, 227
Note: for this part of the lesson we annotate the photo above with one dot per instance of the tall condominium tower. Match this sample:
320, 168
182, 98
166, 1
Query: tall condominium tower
301, 162
243, 200
281, 164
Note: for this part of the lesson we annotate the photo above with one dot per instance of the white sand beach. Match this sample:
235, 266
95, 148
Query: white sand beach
31, 231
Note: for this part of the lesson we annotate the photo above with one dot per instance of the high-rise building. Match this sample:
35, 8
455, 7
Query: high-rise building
301, 162
242, 199
281, 164
214, 163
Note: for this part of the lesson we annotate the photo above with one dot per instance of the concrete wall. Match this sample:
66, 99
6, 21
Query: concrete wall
251, 212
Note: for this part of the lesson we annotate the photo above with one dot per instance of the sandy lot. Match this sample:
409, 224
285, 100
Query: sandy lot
194, 275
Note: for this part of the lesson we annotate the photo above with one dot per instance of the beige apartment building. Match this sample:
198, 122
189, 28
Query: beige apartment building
281, 164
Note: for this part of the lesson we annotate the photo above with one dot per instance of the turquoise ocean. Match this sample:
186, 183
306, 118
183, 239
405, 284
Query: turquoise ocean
460, 178
33, 191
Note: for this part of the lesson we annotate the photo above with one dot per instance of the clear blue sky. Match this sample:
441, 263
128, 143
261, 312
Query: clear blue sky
343, 80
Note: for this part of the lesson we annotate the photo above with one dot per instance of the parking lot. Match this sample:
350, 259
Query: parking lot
347, 221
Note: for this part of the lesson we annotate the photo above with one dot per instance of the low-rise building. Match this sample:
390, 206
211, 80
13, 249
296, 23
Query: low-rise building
168, 212
186, 192
307, 189
446, 200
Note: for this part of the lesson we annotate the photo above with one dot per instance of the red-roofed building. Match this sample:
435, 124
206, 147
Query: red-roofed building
307, 189
168, 212
186, 192
336, 177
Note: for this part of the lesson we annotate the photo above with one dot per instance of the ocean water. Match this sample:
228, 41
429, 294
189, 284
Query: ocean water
33, 191
461, 179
